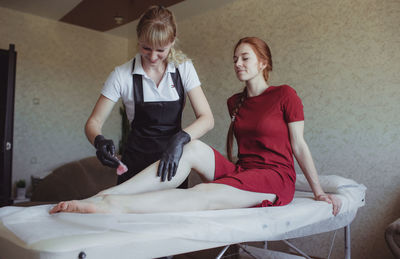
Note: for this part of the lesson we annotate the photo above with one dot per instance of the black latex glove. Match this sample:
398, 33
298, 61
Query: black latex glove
105, 151
170, 158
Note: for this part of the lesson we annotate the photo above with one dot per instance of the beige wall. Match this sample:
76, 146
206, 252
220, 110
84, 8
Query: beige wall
343, 58
64, 67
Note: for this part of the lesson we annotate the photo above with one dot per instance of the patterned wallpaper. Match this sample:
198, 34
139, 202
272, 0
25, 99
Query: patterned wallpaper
60, 71
343, 58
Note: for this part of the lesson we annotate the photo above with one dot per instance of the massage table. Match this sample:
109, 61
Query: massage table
30, 232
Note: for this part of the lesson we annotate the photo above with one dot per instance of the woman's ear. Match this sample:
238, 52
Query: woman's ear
262, 65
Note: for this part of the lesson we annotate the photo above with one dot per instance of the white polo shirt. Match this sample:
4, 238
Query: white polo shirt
119, 84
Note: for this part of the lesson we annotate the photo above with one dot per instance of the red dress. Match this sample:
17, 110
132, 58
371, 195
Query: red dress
264, 151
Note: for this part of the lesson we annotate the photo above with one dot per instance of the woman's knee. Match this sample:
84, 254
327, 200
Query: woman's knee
192, 149
200, 157
193, 146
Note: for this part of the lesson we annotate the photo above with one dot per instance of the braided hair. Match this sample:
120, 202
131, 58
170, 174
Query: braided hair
229, 139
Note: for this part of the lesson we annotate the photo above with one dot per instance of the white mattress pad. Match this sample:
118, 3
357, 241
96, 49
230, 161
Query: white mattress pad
152, 235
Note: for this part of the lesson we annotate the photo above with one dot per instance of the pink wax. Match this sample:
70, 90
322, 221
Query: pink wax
122, 168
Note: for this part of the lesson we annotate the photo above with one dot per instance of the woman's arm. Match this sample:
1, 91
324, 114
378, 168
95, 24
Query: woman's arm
100, 113
204, 118
204, 122
306, 163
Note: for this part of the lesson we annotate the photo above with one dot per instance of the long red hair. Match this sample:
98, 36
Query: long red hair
263, 54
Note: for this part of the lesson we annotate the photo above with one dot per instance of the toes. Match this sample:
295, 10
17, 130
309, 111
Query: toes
73, 206
55, 209
63, 206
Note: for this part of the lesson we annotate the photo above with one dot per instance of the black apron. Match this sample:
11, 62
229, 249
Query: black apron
152, 127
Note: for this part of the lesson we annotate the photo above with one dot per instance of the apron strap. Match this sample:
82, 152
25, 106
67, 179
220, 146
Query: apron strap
137, 86
176, 78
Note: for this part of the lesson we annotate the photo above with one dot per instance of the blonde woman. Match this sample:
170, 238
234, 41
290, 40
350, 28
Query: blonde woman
152, 86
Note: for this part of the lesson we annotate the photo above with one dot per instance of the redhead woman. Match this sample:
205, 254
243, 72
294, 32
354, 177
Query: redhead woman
268, 124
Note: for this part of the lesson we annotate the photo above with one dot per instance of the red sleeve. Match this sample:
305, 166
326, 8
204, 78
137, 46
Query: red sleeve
292, 105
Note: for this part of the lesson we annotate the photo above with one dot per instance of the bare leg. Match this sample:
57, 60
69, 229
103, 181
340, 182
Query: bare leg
201, 197
145, 193
196, 155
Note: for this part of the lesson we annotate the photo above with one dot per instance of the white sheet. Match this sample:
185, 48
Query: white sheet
304, 216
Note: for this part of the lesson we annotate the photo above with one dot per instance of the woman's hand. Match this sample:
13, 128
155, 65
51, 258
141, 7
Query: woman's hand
331, 199
170, 158
105, 151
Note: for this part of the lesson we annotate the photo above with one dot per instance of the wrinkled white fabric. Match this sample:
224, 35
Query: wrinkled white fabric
303, 216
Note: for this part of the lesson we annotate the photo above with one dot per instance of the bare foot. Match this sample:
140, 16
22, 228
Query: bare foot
75, 207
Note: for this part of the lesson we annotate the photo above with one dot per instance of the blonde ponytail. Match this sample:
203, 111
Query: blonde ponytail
177, 57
